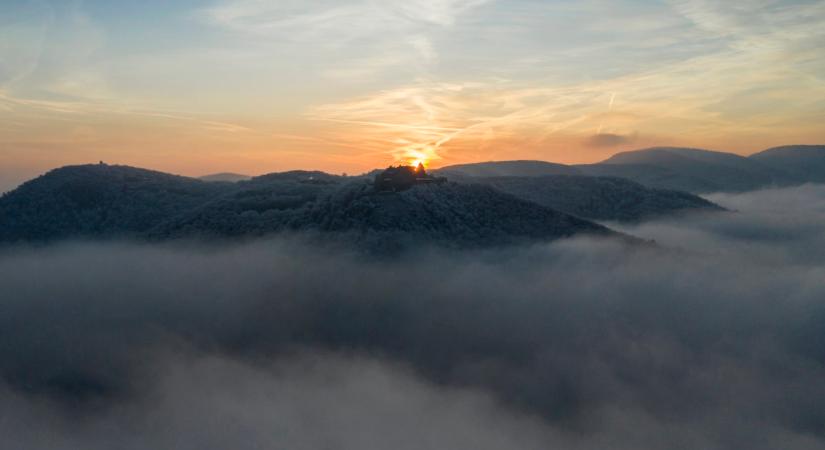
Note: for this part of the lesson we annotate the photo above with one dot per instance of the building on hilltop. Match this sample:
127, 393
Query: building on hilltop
401, 178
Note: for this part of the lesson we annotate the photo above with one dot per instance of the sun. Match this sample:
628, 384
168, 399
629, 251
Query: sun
418, 157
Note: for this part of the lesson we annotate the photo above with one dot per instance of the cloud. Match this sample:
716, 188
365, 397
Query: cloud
434, 119
708, 78
304, 402
535, 80
713, 339
608, 140
50, 54
304, 19
368, 37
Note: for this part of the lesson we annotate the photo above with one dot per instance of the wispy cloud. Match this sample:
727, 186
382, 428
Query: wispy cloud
763, 76
358, 82
314, 18
378, 34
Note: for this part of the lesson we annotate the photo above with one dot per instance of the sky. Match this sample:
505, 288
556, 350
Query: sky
252, 86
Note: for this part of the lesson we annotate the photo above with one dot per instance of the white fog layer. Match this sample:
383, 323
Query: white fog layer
713, 338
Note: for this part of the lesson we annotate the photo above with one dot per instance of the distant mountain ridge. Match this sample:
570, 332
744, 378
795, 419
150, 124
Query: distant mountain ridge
227, 177
689, 169
800, 162
105, 201
676, 168
519, 168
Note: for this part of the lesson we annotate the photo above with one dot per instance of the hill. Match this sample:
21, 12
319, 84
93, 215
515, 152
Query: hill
227, 177
599, 198
262, 205
97, 201
446, 214
100, 201
506, 169
687, 169
801, 163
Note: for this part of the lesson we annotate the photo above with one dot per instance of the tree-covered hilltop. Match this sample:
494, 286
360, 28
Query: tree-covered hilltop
401, 178
97, 200
440, 214
262, 205
447, 214
102, 201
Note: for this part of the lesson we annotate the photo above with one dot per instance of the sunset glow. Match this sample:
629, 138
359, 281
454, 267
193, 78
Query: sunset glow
347, 86
412, 224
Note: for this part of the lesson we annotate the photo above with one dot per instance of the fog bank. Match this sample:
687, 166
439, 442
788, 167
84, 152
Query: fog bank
711, 339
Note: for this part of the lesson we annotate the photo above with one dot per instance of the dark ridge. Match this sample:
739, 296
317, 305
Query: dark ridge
117, 202
801, 163
689, 169
519, 168
97, 201
225, 177
600, 198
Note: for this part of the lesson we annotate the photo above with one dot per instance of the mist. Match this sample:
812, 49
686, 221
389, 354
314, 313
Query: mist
712, 338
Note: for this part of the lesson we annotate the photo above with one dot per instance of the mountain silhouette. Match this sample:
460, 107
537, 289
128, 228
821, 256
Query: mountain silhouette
490, 202
97, 201
520, 168
599, 198
688, 169
674, 168
801, 163
446, 214
102, 201
227, 177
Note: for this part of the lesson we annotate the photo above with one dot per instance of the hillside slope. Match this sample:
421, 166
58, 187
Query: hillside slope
599, 198
446, 214
262, 205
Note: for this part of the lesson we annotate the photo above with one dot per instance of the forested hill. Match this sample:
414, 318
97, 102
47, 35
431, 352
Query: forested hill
97, 201
448, 214
599, 198
102, 201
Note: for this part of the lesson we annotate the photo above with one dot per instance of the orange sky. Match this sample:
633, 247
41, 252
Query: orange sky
347, 86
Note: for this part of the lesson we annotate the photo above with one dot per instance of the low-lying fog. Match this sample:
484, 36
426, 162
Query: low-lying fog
715, 338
